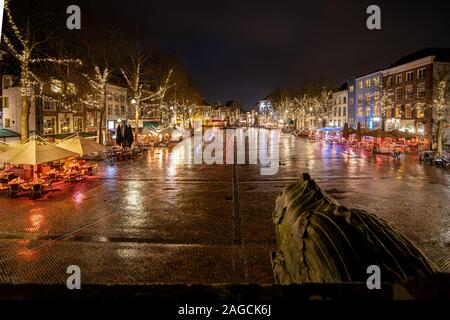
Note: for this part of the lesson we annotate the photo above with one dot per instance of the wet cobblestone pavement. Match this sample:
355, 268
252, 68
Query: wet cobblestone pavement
156, 220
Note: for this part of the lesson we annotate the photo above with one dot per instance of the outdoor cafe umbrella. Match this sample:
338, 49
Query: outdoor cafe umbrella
378, 133
80, 145
401, 134
35, 151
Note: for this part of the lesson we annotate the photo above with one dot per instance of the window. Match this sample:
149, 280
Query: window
122, 110
360, 97
376, 81
389, 82
367, 97
344, 112
49, 105
111, 125
398, 111
421, 90
352, 88
339, 112
90, 119
352, 101
368, 112
421, 74
65, 124
420, 110
344, 100
5, 102
71, 88
360, 85
376, 111
376, 96
389, 112
117, 111
49, 125
78, 124
360, 112
56, 85
7, 123
409, 76
409, 92
368, 83
398, 94
408, 111
399, 79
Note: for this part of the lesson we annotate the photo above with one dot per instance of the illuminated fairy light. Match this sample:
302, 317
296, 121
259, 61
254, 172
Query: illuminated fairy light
2, 6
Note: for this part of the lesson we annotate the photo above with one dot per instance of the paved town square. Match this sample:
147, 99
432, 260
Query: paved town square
157, 220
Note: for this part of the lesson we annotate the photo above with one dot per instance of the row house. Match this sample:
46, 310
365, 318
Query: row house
339, 105
57, 108
365, 94
53, 110
411, 88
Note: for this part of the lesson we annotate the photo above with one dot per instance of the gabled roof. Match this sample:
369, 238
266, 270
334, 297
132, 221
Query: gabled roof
441, 54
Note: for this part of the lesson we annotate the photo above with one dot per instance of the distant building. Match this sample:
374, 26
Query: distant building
339, 103
411, 84
264, 107
116, 106
367, 94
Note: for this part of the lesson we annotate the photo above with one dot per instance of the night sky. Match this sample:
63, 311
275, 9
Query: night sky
245, 49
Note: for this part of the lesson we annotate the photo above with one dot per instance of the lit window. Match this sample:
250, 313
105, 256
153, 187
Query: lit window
368, 83
408, 111
420, 110
409, 92
352, 88
389, 82
360, 97
71, 88
376, 96
421, 90
360, 85
360, 111
368, 112
399, 94
56, 85
376, 111
376, 81
367, 97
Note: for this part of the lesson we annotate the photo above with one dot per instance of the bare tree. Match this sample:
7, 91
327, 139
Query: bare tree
136, 75
96, 99
26, 49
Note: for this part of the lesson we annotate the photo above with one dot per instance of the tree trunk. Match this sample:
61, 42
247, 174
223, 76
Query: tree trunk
25, 119
136, 128
100, 127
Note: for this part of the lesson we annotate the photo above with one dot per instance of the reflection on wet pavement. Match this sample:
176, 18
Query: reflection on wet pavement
164, 219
